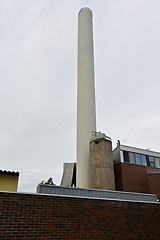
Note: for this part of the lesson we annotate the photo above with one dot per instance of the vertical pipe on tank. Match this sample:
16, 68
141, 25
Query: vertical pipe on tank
86, 113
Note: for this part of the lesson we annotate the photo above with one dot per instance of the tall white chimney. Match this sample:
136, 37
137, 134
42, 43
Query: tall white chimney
86, 113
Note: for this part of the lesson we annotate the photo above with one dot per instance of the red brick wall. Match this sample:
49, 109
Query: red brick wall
152, 169
154, 183
134, 178
118, 177
26, 216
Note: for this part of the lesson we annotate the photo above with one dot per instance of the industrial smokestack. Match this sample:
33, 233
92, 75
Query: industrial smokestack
86, 113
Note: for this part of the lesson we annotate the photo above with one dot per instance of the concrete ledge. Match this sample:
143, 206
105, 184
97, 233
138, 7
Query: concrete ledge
94, 193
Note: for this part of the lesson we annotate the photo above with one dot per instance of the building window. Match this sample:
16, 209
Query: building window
132, 158
157, 162
126, 157
138, 158
151, 161
143, 160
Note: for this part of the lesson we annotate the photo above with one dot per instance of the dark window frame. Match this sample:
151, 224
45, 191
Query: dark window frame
133, 157
138, 159
145, 160
142, 158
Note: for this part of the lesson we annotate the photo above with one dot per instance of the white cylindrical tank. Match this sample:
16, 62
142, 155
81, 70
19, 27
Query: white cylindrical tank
86, 113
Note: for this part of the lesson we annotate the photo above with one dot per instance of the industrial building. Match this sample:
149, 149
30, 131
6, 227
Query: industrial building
135, 170
97, 167
125, 169
104, 195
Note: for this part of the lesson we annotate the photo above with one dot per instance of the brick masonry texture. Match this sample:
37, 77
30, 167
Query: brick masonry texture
135, 178
27, 216
154, 183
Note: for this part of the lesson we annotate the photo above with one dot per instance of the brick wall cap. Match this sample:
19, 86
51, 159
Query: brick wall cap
153, 173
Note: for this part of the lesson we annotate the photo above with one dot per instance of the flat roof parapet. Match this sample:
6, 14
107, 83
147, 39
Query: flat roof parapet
95, 193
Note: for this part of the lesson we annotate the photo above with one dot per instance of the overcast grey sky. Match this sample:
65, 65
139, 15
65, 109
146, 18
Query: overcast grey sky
38, 80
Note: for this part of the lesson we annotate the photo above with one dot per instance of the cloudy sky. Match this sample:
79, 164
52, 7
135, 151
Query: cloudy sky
38, 81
